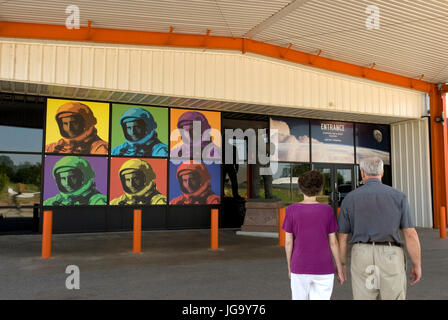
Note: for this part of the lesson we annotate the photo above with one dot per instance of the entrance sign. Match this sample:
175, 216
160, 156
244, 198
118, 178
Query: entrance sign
332, 142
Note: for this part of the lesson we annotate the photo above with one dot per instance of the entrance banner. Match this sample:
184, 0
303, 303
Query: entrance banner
332, 142
293, 139
75, 180
373, 140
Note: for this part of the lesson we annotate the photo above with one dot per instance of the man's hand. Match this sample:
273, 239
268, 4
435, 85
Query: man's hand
415, 274
344, 272
341, 275
413, 247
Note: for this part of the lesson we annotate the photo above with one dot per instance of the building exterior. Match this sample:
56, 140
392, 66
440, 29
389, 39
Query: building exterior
98, 114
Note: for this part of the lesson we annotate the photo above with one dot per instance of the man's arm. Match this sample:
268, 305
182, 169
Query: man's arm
413, 247
334, 246
343, 239
289, 241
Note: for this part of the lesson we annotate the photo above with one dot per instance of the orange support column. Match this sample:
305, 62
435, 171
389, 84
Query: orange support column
281, 232
137, 245
442, 223
46, 234
214, 229
438, 150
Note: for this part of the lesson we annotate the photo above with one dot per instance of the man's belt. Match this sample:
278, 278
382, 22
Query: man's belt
383, 243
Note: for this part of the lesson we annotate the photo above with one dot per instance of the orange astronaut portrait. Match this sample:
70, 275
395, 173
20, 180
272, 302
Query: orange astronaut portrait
72, 127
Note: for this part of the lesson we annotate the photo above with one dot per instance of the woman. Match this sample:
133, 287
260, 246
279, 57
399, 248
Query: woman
310, 242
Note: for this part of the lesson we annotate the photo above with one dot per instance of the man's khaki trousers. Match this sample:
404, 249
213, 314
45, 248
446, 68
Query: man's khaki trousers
378, 270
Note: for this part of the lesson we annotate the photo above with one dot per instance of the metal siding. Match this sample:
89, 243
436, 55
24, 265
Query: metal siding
411, 167
225, 76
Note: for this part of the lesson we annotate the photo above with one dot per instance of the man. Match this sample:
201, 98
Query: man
231, 170
138, 182
139, 129
374, 214
77, 128
75, 181
196, 145
194, 181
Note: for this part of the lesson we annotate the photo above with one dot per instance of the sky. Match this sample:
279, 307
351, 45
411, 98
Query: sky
21, 139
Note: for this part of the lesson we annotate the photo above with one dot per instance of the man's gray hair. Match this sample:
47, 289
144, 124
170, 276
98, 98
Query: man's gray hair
372, 166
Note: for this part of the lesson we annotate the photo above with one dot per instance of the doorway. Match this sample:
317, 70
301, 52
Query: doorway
339, 180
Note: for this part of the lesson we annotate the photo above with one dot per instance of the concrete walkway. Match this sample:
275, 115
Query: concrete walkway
176, 265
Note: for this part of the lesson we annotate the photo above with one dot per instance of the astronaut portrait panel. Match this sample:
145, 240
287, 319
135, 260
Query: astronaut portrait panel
195, 183
139, 181
139, 131
75, 180
195, 134
77, 127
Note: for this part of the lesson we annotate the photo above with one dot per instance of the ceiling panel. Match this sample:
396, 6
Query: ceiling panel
412, 39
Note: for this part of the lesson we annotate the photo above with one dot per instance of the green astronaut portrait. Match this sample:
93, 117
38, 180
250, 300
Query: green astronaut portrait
74, 182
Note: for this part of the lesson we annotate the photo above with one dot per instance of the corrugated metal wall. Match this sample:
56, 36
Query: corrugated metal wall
411, 167
223, 76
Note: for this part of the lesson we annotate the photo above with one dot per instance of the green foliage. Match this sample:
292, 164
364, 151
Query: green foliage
3, 181
29, 175
25, 173
6, 161
298, 169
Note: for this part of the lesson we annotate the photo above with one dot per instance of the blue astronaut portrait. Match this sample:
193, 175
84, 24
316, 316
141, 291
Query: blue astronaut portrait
139, 131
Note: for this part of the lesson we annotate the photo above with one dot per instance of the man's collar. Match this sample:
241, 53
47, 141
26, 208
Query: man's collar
373, 180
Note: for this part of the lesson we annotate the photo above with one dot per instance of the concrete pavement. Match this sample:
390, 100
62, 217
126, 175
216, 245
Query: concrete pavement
176, 265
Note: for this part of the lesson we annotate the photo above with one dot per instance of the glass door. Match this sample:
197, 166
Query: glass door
339, 180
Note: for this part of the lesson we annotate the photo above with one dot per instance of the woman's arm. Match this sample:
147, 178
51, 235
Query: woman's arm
289, 242
334, 246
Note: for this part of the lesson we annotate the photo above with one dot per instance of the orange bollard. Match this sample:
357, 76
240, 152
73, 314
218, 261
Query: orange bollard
442, 223
281, 232
137, 245
214, 229
46, 234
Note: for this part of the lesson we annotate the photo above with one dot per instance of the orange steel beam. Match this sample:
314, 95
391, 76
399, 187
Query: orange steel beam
445, 154
438, 150
89, 34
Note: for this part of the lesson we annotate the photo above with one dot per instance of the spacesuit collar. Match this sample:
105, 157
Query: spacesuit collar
145, 192
144, 140
82, 137
81, 192
204, 190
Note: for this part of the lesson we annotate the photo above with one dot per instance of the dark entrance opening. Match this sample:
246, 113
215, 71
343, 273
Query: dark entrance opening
239, 178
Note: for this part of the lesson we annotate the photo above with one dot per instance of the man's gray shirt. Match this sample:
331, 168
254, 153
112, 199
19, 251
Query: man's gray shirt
374, 212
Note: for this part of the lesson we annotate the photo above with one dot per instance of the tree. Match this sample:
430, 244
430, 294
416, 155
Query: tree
6, 161
3, 181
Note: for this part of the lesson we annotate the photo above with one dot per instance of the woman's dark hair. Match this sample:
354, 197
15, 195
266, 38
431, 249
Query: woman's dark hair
311, 183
